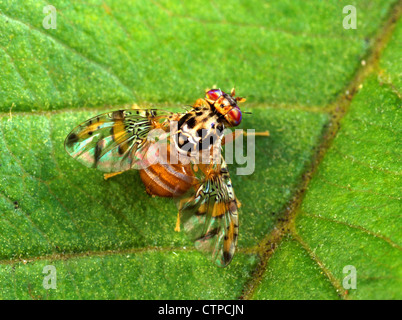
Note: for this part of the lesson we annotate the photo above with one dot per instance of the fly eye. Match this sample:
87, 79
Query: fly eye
234, 116
214, 94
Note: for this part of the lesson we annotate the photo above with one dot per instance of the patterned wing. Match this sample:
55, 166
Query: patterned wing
209, 214
114, 141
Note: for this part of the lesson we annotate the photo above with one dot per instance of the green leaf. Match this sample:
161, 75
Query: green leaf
132, 275
351, 212
391, 66
350, 215
292, 273
109, 239
111, 53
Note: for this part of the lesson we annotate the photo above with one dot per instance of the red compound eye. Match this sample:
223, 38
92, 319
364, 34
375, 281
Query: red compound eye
214, 94
234, 116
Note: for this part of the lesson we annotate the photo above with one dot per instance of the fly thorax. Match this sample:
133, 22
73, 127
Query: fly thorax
198, 131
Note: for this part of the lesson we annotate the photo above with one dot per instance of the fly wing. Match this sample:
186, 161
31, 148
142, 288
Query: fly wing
114, 141
209, 214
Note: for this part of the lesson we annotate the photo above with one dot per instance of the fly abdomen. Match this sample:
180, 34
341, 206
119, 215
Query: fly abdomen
166, 179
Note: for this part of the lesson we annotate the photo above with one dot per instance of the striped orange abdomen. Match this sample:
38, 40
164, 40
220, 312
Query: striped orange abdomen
167, 180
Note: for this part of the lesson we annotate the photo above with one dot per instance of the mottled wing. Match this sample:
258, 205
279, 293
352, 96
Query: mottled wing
114, 141
209, 215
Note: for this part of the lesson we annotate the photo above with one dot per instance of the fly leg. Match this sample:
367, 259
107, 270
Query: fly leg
238, 203
237, 133
177, 228
110, 175
182, 201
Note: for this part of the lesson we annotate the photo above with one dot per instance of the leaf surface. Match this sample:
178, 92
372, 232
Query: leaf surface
109, 239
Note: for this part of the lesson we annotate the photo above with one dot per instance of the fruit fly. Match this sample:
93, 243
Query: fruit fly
122, 140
